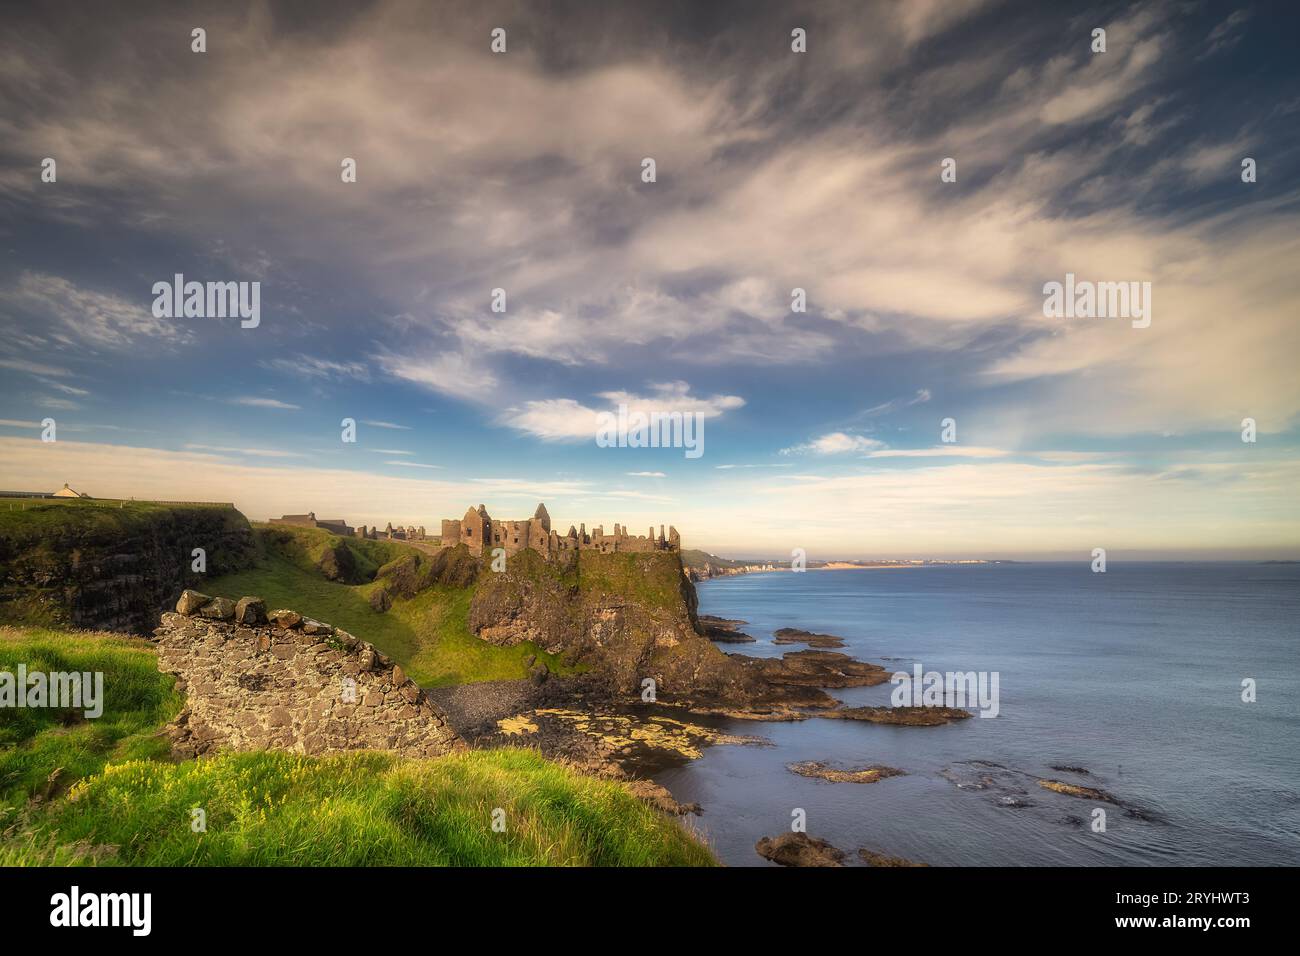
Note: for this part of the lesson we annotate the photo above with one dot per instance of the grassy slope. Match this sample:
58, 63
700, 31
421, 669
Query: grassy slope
694, 558
428, 634
303, 547
34, 744
365, 809
131, 804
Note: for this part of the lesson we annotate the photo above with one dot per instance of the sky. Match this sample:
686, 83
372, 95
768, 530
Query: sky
775, 170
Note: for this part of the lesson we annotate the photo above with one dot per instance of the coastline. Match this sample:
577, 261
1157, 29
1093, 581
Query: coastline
1022, 791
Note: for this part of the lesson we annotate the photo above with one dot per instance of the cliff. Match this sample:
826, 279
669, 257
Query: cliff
111, 566
622, 616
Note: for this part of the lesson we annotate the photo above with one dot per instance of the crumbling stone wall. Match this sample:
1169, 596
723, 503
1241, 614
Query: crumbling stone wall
254, 681
480, 532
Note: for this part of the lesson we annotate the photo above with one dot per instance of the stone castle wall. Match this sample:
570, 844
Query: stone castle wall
281, 682
478, 530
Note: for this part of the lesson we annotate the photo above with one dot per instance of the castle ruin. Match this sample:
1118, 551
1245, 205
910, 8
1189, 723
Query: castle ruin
340, 527
478, 530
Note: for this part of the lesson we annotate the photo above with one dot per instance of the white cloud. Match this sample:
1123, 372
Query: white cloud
835, 443
99, 319
256, 402
564, 419
309, 366
33, 368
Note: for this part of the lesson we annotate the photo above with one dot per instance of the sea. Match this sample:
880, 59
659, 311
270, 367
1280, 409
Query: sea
1129, 681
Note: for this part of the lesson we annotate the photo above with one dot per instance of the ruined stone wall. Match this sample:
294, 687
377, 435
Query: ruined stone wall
478, 531
281, 682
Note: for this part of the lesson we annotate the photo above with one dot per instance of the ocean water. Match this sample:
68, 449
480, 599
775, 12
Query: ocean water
1134, 675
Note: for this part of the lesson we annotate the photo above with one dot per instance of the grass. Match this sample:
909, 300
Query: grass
365, 809
44, 750
428, 634
118, 798
35, 518
653, 580
304, 546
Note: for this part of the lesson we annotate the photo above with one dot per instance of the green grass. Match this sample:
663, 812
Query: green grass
652, 580
119, 799
44, 750
428, 634
366, 809
35, 518
303, 547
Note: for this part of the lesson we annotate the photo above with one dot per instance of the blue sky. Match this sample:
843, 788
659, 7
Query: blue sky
775, 170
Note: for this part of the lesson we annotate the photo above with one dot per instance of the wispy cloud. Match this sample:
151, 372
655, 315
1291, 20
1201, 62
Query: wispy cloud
256, 402
835, 443
99, 319
253, 452
309, 366
894, 404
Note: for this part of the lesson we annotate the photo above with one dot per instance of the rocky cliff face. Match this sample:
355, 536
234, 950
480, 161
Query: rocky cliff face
627, 616
106, 568
285, 682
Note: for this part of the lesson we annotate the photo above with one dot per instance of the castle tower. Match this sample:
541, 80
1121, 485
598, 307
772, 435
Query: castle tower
476, 529
543, 517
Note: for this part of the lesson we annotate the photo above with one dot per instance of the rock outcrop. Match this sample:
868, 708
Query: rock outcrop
291, 684
627, 617
824, 771
799, 849
337, 564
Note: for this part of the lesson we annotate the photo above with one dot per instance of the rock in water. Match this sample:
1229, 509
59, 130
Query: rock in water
799, 849
822, 771
795, 635
871, 858
190, 602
